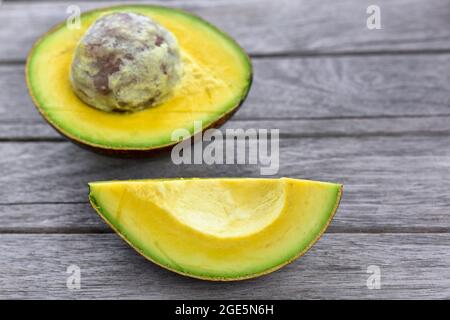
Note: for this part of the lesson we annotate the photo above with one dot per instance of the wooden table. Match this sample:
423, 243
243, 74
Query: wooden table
367, 108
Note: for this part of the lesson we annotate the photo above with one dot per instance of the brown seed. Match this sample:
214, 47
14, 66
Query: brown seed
107, 66
159, 40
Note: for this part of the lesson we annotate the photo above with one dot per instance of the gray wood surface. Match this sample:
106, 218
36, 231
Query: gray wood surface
370, 109
38, 130
336, 267
268, 27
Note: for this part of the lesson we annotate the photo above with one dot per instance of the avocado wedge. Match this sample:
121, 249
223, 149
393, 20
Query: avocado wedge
220, 228
217, 76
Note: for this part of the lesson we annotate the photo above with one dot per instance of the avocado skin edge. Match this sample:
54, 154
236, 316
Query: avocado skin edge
221, 279
141, 153
135, 152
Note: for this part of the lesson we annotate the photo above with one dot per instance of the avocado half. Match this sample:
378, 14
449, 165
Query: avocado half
216, 80
220, 228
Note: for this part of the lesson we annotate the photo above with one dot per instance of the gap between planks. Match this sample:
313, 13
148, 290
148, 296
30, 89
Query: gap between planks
330, 230
312, 54
281, 136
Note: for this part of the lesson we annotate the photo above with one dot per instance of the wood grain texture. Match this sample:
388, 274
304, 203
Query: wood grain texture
392, 183
303, 89
39, 130
268, 27
412, 266
50, 218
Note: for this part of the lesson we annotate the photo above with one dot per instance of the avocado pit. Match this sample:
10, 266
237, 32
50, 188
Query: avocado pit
125, 62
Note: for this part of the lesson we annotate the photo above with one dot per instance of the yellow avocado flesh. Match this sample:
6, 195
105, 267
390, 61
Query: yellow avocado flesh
216, 78
218, 229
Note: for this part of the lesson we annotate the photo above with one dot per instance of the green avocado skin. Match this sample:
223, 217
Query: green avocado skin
127, 153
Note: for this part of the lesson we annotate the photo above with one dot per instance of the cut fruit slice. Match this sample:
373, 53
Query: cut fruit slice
218, 229
217, 75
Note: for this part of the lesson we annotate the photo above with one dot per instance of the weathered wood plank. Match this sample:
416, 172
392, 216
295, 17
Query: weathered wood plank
412, 266
50, 218
391, 183
268, 27
297, 89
